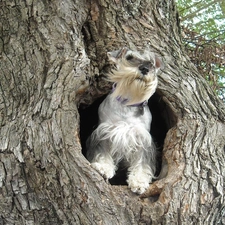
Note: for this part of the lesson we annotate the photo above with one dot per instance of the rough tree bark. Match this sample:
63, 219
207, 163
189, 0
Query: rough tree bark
53, 55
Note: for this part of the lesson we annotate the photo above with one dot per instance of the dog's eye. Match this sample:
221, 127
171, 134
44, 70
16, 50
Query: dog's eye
129, 57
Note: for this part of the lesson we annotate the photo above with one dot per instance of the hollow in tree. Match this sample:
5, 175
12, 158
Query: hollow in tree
53, 63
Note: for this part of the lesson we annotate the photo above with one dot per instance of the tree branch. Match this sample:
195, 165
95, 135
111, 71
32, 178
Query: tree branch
192, 15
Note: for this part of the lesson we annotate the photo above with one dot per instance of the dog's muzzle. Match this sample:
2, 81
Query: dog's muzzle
144, 68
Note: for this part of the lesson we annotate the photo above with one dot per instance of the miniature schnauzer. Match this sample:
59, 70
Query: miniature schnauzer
124, 120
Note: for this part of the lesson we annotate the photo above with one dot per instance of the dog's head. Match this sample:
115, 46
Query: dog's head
135, 74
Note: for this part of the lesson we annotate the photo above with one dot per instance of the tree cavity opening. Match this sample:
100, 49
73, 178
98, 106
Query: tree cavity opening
162, 120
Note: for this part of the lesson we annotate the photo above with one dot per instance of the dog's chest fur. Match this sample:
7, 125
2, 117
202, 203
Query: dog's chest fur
113, 111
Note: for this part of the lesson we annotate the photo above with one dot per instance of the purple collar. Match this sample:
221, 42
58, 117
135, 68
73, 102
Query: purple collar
142, 104
125, 100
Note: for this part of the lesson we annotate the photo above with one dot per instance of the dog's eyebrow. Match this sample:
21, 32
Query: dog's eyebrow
135, 61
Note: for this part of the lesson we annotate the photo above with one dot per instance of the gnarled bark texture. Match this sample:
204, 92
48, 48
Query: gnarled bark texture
53, 58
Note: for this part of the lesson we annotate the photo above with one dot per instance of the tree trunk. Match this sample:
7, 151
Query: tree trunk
53, 59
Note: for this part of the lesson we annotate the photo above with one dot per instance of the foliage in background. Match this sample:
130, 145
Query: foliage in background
203, 30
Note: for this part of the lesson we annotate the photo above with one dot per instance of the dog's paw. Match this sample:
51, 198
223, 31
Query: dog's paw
138, 187
138, 184
105, 169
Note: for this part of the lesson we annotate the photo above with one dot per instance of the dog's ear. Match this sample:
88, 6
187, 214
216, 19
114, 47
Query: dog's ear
158, 63
112, 56
115, 55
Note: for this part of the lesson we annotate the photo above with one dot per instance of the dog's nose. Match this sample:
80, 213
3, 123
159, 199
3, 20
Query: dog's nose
144, 69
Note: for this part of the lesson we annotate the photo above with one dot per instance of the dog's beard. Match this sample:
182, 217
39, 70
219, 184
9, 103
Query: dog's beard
132, 86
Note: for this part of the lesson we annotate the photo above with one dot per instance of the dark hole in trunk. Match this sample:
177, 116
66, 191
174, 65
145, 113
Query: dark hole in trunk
162, 121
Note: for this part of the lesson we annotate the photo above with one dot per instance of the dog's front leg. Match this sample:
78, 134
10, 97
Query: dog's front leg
105, 166
101, 159
139, 178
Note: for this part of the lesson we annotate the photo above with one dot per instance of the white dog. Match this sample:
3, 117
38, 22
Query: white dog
124, 120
